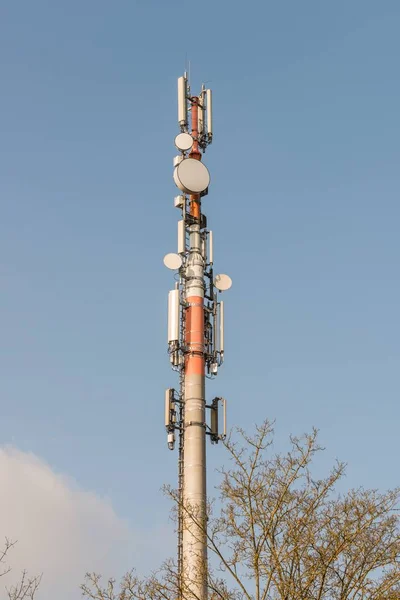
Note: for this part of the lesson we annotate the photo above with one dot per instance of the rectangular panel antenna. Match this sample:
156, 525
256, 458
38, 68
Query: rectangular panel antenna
221, 327
210, 248
173, 316
214, 420
182, 102
168, 406
200, 113
209, 113
181, 237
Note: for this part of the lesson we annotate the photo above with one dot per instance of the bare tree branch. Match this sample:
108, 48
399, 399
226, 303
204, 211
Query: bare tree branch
277, 533
27, 586
25, 589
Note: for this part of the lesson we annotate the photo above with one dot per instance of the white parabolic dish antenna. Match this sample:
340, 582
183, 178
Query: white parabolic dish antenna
223, 282
172, 261
191, 176
184, 141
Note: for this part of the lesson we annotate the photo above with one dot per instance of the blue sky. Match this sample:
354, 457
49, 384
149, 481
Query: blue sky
304, 205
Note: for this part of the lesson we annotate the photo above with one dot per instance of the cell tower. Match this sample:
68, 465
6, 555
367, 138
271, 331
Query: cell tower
195, 337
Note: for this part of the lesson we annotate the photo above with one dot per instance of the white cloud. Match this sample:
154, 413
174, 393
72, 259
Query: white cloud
61, 530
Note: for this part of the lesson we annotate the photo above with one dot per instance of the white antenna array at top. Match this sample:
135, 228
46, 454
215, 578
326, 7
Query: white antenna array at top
204, 103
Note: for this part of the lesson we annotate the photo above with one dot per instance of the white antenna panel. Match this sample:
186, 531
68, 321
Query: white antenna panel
200, 125
191, 176
184, 141
223, 282
172, 261
221, 327
209, 112
181, 237
173, 316
168, 406
182, 104
204, 248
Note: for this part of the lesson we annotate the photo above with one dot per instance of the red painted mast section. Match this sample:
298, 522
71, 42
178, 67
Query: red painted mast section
195, 312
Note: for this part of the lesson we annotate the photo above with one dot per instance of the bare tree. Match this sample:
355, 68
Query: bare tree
27, 587
278, 533
161, 585
4, 568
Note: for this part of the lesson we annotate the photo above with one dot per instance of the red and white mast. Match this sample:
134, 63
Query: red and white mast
195, 337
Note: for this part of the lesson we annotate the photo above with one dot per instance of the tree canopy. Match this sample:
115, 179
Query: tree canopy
278, 533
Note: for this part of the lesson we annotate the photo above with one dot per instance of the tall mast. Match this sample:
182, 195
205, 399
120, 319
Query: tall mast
195, 338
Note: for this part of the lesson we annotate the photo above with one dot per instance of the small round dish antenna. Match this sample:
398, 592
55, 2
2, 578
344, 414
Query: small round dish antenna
191, 176
172, 261
223, 282
183, 141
